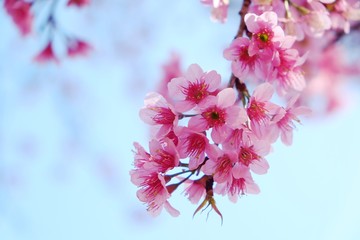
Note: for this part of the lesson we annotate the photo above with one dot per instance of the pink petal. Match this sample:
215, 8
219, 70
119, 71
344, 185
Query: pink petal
226, 97
302, 110
198, 123
173, 212
213, 79
175, 87
184, 106
236, 116
250, 20
263, 92
194, 73
270, 17
287, 137
260, 167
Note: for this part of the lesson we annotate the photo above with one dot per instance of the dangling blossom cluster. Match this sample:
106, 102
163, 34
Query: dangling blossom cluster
207, 140
213, 139
313, 28
22, 13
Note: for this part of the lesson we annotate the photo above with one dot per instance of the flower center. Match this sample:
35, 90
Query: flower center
196, 92
256, 111
263, 37
163, 116
247, 155
214, 116
195, 145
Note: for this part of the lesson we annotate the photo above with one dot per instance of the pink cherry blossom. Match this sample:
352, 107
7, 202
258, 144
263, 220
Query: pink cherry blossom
221, 164
46, 55
193, 145
219, 113
164, 155
286, 72
196, 189
316, 21
238, 186
219, 9
77, 48
285, 117
171, 69
20, 12
157, 111
154, 192
342, 12
266, 34
242, 64
260, 110
251, 154
194, 88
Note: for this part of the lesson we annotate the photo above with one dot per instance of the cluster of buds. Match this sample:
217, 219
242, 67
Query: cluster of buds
22, 14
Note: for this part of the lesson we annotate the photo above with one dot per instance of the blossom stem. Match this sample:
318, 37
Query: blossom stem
240, 87
243, 11
234, 81
181, 115
179, 173
300, 9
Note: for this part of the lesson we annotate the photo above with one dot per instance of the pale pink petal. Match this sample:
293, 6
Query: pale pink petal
297, 80
173, 212
270, 17
263, 92
287, 137
262, 148
175, 87
237, 171
252, 188
260, 166
236, 116
213, 79
147, 115
250, 20
226, 97
302, 110
184, 106
219, 134
194, 73
198, 123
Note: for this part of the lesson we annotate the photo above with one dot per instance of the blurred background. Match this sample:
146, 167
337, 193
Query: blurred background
67, 129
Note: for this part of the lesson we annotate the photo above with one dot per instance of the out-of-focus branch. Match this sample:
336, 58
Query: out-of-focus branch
243, 11
340, 34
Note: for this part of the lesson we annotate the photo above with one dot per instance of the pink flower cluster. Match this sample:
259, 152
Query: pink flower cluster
267, 55
292, 31
204, 132
213, 139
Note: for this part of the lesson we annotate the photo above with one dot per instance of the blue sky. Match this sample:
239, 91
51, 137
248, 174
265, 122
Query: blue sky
66, 134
